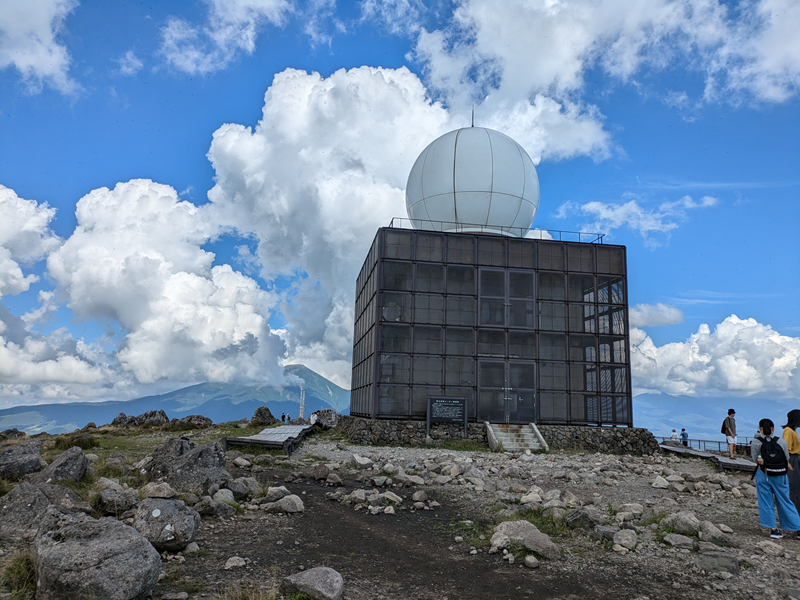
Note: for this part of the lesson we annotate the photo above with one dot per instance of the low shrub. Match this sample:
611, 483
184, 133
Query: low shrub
20, 577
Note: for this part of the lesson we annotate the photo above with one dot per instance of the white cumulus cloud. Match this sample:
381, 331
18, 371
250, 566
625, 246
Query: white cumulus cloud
129, 64
653, 315
28, 42
739, 357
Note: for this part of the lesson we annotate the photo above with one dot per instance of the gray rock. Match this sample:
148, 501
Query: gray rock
361, 462
419, 496
579, 519
715, 562
333, 479
531, 561
167, 524
191, 421
320, 472
605, 532
679, 541
153, 418
71, 465
22, 508
187, 466
208, 507
525, 533
626, 538
158, 490
80, 557
235, 562
21, 459
113, 502
276, 493
239, 490
682, 522
320, 583
708, 532
225, 496
660, 483
105, 483
263, 417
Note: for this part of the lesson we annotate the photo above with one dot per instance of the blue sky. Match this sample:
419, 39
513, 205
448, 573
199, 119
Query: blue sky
189, 188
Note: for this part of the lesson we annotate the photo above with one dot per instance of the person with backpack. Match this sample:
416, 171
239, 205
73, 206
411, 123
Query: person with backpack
684, 438
772, 485
793, 444
729, 429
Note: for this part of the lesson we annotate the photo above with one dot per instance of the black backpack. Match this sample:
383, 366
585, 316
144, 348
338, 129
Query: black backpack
724, 429
775, 463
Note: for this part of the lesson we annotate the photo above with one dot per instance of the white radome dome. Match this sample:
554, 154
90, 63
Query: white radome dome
473, 179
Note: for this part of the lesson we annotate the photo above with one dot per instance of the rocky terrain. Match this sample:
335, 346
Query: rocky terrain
148, 511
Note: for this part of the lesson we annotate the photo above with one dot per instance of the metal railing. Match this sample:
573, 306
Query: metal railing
742, 446
520, 232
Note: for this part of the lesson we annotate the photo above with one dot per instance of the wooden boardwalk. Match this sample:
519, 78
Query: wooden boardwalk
722, 462
285, 437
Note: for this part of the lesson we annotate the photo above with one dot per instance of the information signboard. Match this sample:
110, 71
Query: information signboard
446, 409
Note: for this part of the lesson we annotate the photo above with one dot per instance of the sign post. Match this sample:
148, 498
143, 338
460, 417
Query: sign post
446, 409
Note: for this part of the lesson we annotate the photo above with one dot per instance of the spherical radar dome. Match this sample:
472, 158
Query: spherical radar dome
473, 179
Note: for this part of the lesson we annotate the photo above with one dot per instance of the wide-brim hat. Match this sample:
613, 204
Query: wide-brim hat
793, 418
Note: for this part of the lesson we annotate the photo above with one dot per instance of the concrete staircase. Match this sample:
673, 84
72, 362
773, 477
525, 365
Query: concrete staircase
515, 437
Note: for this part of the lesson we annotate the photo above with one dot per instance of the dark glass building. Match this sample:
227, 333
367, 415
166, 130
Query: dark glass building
527, 330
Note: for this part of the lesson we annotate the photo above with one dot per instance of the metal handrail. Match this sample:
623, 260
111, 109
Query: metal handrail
521, 232
710, 445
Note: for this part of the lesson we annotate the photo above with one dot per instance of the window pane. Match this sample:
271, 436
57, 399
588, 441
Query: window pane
428, 340
520, 254
493, 375
419, 399
493, 283
521, 375
610, 290
581, 318
491, 343
582, 377
396, 276
459, 371
398, 244
606, 409
551, 286
581, 288
492, 251
394, 368
520, 313
395, 338
493, 311
393, 400
577, 409
468, 393
460, 280
620, 379
618, 321
580, 257
460, 341
460, 249
428, 369
619, 355
396, 307
430, 278
430, 246
520, 285
552, 346
610, 260
428, 309
551, 256
552, 406
460, 310
621, 410
552, 317
521, 344
605, 349
583, 347
553, 376
603, 322
606, 380
593, 409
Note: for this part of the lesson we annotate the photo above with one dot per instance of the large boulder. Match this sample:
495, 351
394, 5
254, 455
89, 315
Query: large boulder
208, 507
115, 502
22, 508
80, 557
188, 466
527, 534
167, 524
320, 583
70, 465
21, 459
153, 418
684, 522
191, 422
263, 417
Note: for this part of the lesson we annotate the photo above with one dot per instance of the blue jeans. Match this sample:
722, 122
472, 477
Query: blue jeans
773, 492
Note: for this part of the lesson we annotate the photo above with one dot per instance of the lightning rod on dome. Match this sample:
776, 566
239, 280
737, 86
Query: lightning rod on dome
473, 115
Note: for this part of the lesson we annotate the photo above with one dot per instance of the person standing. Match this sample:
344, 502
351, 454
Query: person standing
283, 417
793, 444
674, 436
684, 438
772, 482
729, 429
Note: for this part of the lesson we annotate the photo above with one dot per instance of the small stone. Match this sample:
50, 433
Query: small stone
389, 510
458, 539
531, 562
191, 548
234, 562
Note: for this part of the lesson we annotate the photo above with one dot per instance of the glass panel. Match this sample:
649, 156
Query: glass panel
428, 309
398, 244
603, 323
620, 379
551, 286
419, 399
460, 341
610, 260
396, 307
593, 409
611, 290
583, 347
520, 313
580, 258
493, 374
393, 400
428, 369
491, 343
395, 338
606, 381
492, 405
493, 283
520, 285
521, 375
553, 376
606, 409
551, 256
428, 340
459, 371
618, 321
430, 246
577, 409
467, 393
460, 249
493, 311
619, 355
605, 349
581, 288
621, 410
430, 278
581, 318
552, 406
520, 254
460, 280
396, 276
552, 317
521, 344
552, 346
582, 377
491, 251
394, 368
460, 310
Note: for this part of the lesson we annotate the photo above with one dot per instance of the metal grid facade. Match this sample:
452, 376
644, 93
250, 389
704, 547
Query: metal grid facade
527, 330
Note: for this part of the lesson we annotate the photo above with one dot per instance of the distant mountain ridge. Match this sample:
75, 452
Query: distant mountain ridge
219, 402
